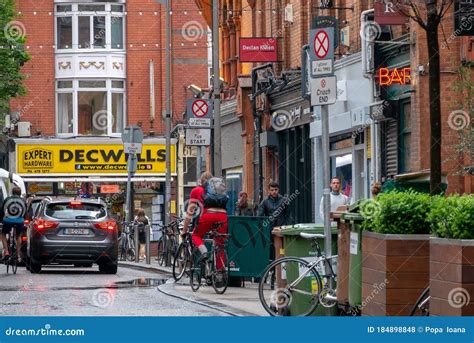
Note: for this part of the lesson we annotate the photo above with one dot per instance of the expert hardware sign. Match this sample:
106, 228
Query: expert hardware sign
90, 159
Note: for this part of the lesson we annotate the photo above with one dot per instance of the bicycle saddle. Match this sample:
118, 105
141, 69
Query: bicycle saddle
312, 235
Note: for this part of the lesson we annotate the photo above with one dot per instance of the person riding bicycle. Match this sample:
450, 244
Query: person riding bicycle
195, 204
13, 215
214, 204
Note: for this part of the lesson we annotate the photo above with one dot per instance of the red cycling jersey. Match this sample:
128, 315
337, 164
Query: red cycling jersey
197, 194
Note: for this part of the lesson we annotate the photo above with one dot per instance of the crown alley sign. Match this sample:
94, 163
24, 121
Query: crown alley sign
386, 12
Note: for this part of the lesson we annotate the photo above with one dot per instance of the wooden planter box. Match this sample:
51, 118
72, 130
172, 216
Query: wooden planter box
395, 270
451, 277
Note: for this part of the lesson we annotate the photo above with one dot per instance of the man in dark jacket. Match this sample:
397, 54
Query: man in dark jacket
275, 206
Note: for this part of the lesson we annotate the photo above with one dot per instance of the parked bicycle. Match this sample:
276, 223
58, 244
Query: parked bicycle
127, 242
422, 305
182, 258
12, 260
168, 243
295, 286
214, 267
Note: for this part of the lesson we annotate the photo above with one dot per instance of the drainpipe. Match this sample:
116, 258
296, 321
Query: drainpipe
374, 167
258, 129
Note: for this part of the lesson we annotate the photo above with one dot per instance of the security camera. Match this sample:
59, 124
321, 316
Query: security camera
197, 91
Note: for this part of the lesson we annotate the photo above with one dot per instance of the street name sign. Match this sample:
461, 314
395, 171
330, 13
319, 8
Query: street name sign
323, 91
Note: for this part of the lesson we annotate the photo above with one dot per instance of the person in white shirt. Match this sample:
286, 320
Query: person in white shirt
337, 198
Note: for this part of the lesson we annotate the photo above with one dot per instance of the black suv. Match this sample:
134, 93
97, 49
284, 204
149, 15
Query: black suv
72, 231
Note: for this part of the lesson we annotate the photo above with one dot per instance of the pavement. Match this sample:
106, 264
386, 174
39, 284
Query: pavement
236, 301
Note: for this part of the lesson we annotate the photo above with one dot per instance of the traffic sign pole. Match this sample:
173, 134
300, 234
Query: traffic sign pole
323, 93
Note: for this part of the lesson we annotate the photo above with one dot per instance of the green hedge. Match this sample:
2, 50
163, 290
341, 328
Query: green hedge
419, 213
453, 217
398, 213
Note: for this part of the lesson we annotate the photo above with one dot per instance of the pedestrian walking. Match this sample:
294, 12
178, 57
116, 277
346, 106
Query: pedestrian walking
275, 206
244, 207
142, 221
337, 199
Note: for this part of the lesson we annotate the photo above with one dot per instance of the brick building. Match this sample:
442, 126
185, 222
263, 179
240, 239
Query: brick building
363, 149
96, 67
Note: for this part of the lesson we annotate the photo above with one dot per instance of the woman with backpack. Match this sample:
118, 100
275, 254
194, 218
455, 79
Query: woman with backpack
212, 198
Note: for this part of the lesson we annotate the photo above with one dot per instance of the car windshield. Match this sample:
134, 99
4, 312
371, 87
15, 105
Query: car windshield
68, 210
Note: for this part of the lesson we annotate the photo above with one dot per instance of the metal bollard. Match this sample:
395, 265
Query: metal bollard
137, 243
147, 246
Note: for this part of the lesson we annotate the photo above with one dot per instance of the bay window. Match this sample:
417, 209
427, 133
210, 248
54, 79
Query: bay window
81, 27
90, 107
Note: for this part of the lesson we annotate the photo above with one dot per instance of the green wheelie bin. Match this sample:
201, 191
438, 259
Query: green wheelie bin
354, 220
295, 245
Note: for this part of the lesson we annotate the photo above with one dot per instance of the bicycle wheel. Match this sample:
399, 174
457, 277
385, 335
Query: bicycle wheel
220, 276
422, 307
14, 258
195, 271
172, 248
181, 261
161, 250
130, 253
289, 287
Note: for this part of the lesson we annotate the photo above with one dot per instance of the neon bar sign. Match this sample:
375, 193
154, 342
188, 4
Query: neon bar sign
387, 76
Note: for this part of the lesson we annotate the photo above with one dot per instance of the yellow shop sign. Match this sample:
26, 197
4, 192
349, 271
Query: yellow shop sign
90, 159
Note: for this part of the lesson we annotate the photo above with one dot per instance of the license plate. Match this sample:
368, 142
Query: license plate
76, 231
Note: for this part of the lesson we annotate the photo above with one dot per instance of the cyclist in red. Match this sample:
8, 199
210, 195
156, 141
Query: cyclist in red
211, 198
195, 203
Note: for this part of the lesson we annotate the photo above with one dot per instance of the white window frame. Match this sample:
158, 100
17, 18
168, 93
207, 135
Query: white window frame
75, 90
75, 14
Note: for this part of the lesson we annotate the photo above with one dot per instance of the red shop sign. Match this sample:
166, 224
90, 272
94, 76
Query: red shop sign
258, 49
386, 12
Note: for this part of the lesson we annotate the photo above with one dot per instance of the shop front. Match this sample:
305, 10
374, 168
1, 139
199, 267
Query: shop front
290, 153
349, 129
94, 168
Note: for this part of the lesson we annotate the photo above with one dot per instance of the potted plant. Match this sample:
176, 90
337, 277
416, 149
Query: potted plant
452, 256
395, 252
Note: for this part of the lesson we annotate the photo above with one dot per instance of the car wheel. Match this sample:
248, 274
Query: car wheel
35, 267
108, 268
